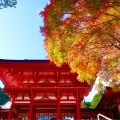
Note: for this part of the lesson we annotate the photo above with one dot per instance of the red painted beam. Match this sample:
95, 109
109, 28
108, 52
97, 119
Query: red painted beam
46, 89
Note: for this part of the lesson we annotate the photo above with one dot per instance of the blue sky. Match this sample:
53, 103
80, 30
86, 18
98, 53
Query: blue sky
19, 32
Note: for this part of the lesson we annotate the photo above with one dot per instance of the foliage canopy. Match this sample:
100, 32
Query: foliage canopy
7, 3
85, 34
95, 101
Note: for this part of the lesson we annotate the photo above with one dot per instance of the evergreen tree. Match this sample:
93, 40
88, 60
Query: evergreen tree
4, 98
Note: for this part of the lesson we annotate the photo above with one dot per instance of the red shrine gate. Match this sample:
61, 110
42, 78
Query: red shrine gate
40, 89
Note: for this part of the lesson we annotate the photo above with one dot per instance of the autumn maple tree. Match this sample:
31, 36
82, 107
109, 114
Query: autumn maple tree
85, 34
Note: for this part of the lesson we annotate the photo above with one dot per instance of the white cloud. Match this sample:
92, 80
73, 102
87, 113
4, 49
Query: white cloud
7, 105
38, 11
93, 92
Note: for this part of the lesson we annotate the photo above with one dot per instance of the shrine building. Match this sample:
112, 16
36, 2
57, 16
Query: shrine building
40, 89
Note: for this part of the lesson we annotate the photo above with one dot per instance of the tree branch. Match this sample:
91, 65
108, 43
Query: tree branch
109, 14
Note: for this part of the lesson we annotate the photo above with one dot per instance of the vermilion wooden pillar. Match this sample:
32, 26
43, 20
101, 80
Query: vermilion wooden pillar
30, 109
78, 104
11, 109
91, 118
58, 107
78, 110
